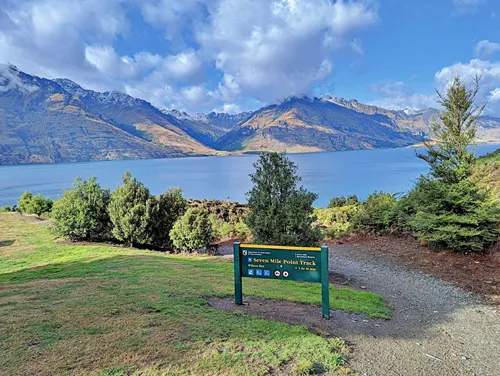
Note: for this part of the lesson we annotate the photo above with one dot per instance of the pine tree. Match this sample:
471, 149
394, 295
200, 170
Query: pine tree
449, 159
281, 211
449, 210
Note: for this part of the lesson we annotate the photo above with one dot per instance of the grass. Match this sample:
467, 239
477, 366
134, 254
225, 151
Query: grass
101, 310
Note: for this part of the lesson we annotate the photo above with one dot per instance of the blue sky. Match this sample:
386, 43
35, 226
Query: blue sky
234, 55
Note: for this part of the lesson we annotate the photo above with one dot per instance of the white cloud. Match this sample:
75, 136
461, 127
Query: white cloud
220, 52
9, 80
176, 18
495, 96
391, 88
407, 101
184, 66
486, 49
356, 47
195, 94
229, 108
397, 95
274, 49
47, 37
489, 71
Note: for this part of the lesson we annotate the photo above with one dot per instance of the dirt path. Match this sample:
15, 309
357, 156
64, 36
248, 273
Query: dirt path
436, 329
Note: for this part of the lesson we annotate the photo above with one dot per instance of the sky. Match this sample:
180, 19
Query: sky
238, 55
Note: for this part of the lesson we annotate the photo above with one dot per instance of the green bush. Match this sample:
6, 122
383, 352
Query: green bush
171, 206
220, 229
376, 214
133, 212
226, 211
225, 230
29, 204
342, 201
40, 205
242, 231
81, 213
5, 209
193, 231
281, 211
455, 216
24, 203
336, 221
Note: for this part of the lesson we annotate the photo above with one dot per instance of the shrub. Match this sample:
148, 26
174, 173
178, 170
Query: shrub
193, 231
81, 213
455, 216
133, 211
29, 204
226, 211
24, 203
220, 228
242, 232
342, 201
5, 209
336, 221
225, 230
40, 205
171, 206
281, 212
376, 214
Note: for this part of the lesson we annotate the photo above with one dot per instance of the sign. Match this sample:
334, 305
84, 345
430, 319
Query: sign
305, 264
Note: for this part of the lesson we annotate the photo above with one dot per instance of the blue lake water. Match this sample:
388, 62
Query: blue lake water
328, 174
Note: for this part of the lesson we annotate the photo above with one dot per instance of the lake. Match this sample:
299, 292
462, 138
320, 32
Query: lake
328, 174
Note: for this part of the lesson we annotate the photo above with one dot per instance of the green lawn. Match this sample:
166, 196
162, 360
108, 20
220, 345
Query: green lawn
99, 310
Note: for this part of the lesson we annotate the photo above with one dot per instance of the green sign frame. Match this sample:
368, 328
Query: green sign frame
307, 264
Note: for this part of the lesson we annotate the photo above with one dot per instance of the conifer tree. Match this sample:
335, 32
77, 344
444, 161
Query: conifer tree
281, 211
449, 209
449, 159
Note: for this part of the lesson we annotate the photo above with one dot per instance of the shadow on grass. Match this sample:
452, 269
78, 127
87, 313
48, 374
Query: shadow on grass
6, 243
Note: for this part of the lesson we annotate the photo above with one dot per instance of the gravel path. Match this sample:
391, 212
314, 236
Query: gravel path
436, 329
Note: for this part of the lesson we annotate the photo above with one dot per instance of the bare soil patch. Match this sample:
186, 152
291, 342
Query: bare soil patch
32, 219
477, 273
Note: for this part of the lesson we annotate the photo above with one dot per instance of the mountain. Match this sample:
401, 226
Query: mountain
318, 124
47, 121
207, 128
418, 121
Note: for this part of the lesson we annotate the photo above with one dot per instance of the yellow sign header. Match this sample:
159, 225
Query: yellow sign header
286, 248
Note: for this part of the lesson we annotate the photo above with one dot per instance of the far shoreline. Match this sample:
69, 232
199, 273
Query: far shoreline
230, 154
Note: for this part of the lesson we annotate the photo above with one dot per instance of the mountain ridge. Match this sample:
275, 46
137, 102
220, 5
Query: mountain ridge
49, 121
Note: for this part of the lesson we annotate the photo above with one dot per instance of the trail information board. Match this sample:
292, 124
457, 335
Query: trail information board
307, 264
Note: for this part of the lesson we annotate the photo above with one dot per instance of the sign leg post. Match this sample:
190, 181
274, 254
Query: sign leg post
238, 293
325, 290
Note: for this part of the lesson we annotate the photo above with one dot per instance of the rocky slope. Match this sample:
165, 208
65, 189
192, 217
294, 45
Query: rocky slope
207, 128
47, 121
304, 124
418, 121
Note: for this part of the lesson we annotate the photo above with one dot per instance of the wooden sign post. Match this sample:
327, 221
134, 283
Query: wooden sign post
307, 264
